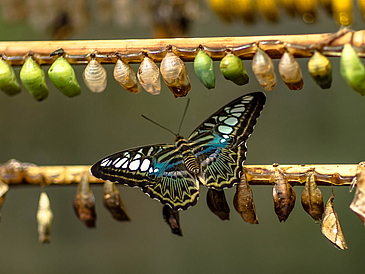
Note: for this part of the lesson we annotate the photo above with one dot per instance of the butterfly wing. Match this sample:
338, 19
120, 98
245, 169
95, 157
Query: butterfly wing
158, 170
219, 143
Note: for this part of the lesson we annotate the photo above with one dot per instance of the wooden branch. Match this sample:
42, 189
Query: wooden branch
17, 173
77, 52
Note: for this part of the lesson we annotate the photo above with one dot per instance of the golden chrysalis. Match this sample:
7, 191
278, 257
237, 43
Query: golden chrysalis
312, 200
283, 194
84, 202
331, 227
243, 201
113, 202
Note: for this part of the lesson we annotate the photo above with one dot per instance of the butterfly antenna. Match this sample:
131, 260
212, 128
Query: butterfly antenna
182, 119
158, 124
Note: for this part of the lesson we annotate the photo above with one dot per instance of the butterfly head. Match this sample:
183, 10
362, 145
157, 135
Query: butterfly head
178, 137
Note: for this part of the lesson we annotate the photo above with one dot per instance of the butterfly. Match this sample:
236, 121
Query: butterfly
213, 156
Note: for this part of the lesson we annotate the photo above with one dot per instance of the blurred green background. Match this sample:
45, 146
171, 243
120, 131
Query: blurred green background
311, 126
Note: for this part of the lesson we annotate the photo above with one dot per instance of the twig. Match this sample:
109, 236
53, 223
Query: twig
17, 173
107, 51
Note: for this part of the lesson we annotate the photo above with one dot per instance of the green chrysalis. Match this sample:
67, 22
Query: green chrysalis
34, 79
63, 77
8, 81
352, 70
233, 69
203, 67
319, 68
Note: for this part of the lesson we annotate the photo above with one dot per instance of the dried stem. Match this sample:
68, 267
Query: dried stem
15, 173
107, 51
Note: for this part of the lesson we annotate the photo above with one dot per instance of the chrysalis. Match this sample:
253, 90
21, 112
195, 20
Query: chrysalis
95, 76
3, 190
149, 76
352, 70
243, 201
63, 77
34, 79
8, 82
283, 194
331, 227
312, 200
126, 77
204, 69
44, 219
358, 203
319, 68
233, 69
175, 75
114, 203
290, 72
172, 219
217, 203
263, 68
84, 203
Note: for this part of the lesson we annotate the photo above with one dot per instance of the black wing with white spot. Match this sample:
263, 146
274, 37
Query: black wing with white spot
159, 170
219, 143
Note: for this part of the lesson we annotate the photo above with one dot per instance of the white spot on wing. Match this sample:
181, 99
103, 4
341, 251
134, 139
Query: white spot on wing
137, 156
225, 129
145, 165
134, 165
116, 160
121, 162
104, 162
237, 114
239, 109
231, 121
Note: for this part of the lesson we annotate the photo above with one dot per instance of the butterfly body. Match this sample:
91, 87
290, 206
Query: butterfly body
213, 156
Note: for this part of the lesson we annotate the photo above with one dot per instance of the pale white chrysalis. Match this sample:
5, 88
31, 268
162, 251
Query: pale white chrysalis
95, 76
44, 219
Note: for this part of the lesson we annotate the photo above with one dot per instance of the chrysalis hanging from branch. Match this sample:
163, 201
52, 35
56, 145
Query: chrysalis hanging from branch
358, 203
126, 77
320, 69
264, 70
233, 69
204, 69
34, 79
8, 82
217, 203
243, 201
172, 219
114, 203
44, 218
352, 70
149, 76
331, 227
175, 75
63, 76
283, 194
312, 200
94, 75
290, 72
84, 203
